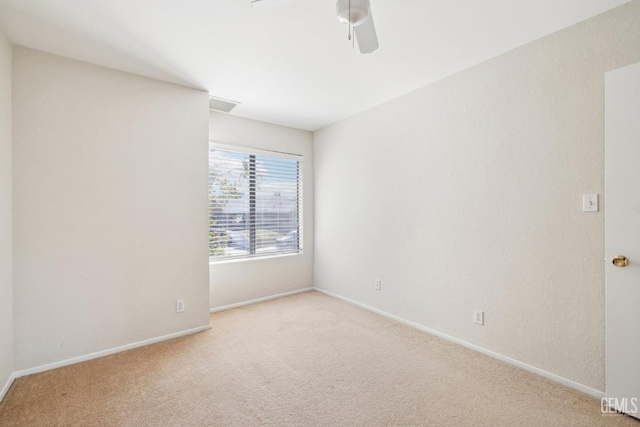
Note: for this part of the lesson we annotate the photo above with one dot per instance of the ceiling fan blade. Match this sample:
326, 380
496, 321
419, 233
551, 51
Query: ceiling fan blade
366, 35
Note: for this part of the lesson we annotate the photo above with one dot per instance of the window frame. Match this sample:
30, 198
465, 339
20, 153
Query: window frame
250, 151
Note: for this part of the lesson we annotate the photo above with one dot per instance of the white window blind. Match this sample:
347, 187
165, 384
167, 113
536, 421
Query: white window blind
255, 203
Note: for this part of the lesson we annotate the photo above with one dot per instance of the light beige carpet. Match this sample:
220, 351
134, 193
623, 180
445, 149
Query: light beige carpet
303, 360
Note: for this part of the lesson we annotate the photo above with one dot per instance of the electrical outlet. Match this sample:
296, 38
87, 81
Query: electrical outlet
478, 317
378, 285
179, 306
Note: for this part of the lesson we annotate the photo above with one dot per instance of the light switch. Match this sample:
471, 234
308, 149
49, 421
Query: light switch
590, 203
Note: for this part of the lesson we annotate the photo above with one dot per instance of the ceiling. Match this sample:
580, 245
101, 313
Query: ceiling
291, 64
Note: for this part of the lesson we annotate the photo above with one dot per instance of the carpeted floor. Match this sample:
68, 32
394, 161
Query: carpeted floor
303, 360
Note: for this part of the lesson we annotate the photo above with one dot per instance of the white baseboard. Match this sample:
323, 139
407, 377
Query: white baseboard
254, 301
557, 378
108, 352
561, 380
7, 386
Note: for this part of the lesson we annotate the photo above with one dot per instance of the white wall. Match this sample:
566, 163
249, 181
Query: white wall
467, 194
238, 281
6, 239
110, 208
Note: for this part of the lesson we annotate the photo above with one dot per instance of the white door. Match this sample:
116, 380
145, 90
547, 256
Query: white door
622, 238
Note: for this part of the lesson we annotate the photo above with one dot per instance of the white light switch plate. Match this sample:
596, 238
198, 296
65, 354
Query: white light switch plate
590, 203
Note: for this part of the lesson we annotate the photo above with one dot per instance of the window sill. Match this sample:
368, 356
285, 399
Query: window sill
257, 258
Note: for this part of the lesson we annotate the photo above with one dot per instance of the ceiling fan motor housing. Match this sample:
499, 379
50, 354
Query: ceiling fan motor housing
357, 15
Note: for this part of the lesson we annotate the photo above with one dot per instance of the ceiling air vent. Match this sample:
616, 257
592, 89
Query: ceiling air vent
220, 104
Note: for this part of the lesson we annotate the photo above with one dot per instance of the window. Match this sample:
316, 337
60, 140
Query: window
255, 203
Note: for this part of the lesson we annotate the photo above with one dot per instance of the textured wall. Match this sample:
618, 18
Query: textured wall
110, 208
467, 194
238, 281
6, 239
